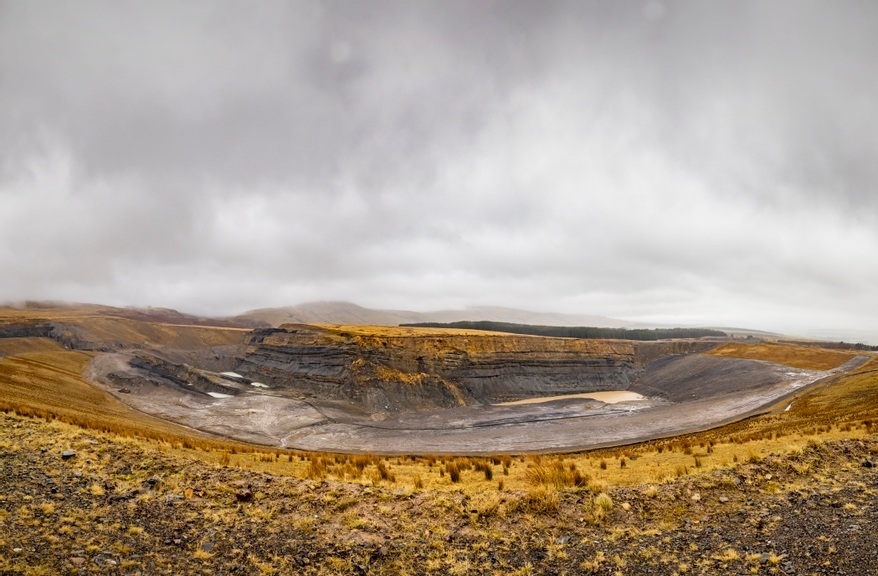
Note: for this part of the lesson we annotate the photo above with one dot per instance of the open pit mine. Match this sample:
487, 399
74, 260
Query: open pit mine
421, 390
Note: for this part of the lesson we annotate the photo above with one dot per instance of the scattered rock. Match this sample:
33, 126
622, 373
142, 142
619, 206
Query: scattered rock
103, 560
868, 463
152, 481
244, 495
77, 561
723, 499
172, 499
67, 454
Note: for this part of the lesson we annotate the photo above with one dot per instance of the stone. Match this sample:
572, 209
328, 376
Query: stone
868, 463
244, 495
77, 561
723, 499
172, 499
67, 454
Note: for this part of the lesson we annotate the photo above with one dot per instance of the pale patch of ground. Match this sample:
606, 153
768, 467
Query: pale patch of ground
607, 397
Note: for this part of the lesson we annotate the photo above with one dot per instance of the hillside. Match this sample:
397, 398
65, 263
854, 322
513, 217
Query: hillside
345, 313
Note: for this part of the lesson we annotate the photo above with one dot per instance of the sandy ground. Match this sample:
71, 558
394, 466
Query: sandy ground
607, 397
550, 425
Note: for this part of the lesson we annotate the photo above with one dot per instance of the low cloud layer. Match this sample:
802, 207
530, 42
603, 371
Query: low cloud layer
681, 162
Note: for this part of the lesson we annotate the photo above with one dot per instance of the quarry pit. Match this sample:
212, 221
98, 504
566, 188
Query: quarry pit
430, 391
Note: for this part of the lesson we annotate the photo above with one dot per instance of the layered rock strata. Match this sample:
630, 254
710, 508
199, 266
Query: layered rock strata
418, 369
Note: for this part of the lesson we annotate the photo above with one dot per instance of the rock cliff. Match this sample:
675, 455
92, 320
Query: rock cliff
413, 369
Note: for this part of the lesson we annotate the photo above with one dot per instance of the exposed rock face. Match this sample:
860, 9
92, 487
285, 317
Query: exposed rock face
68, 335
109, 334
26, 330
183, 375
416, 370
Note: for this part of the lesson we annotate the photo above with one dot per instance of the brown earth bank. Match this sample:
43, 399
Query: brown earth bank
121, 506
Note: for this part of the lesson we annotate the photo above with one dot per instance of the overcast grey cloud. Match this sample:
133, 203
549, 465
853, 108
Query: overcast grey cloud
681, 162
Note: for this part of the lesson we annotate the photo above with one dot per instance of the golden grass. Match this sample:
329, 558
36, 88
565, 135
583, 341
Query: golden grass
437, 342
14, 346
804, 357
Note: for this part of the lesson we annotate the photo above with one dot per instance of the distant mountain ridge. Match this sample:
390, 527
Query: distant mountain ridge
352, 314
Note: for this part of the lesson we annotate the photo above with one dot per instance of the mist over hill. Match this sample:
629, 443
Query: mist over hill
352, 314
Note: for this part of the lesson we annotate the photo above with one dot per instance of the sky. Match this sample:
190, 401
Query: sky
700, 162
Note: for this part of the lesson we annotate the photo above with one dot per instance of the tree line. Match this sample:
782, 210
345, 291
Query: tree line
590, 332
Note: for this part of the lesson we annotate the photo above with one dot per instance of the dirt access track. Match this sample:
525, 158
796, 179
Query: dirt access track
408, 391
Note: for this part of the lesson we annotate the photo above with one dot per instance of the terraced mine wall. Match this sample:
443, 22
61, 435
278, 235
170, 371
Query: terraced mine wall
425, 370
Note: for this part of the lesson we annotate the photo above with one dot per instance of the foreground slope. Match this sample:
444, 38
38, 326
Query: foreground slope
124, 507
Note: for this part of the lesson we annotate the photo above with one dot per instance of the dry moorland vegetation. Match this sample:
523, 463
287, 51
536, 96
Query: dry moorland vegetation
805, 357
780, 493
